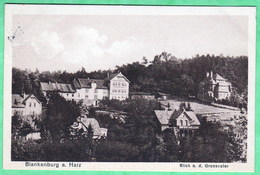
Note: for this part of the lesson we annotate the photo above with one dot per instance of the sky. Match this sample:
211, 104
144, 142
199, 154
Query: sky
70, 42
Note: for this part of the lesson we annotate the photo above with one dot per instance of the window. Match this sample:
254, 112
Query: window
86, 90
104, 92
181, 122
86, 96
72, 95
96, 91
67, 95
186, 122
30, 104
78, 94
34, 104
95, 96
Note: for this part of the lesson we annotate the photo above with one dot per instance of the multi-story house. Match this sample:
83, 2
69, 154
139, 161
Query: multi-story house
91, 91
118, 86
214, 87
25, 105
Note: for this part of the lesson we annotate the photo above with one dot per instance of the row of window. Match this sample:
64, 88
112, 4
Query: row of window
32, 104
119, 90
118, 97
95, 91
78, 94
119, 84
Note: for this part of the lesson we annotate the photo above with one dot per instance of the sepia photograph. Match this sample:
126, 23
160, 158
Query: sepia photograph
145, 88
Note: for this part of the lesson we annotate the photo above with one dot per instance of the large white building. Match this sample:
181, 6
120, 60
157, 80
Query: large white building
90, 91
214, 86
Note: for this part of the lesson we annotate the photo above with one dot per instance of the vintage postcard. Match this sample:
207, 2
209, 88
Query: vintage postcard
129, 88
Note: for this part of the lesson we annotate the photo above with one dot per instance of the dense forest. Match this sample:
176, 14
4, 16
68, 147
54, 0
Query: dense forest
165, 73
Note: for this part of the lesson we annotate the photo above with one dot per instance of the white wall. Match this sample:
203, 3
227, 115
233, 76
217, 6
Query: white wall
119, 88
32, 107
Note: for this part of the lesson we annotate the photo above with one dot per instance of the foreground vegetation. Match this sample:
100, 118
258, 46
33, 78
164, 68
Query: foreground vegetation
137, 139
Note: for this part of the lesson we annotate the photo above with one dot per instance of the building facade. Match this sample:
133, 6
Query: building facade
91, 91
214, 87
118, 87
25, 105
184, 122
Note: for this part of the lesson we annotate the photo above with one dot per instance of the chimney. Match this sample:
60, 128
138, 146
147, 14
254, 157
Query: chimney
108, 75
23, 95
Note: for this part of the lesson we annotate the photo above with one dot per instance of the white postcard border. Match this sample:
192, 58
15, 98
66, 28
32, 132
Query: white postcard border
11, 10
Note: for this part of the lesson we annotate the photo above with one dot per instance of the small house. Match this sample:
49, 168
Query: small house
162, 96
83, 123
25, 105
144, 95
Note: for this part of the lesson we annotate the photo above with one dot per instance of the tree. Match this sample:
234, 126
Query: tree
210, 144
90, 131
60, 114
188, 108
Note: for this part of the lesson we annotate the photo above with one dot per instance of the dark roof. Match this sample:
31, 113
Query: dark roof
140, 93
176, 114
17, 101
162, 94
86, 83
61, 87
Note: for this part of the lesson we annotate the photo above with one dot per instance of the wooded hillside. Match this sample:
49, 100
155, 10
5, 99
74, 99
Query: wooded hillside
164, 73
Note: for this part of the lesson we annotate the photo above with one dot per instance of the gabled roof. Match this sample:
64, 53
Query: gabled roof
163, 116
189, 114
176, 114
112, 76
219, 77
17, 101
61, 87
26, 97
86, 83
193, 118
